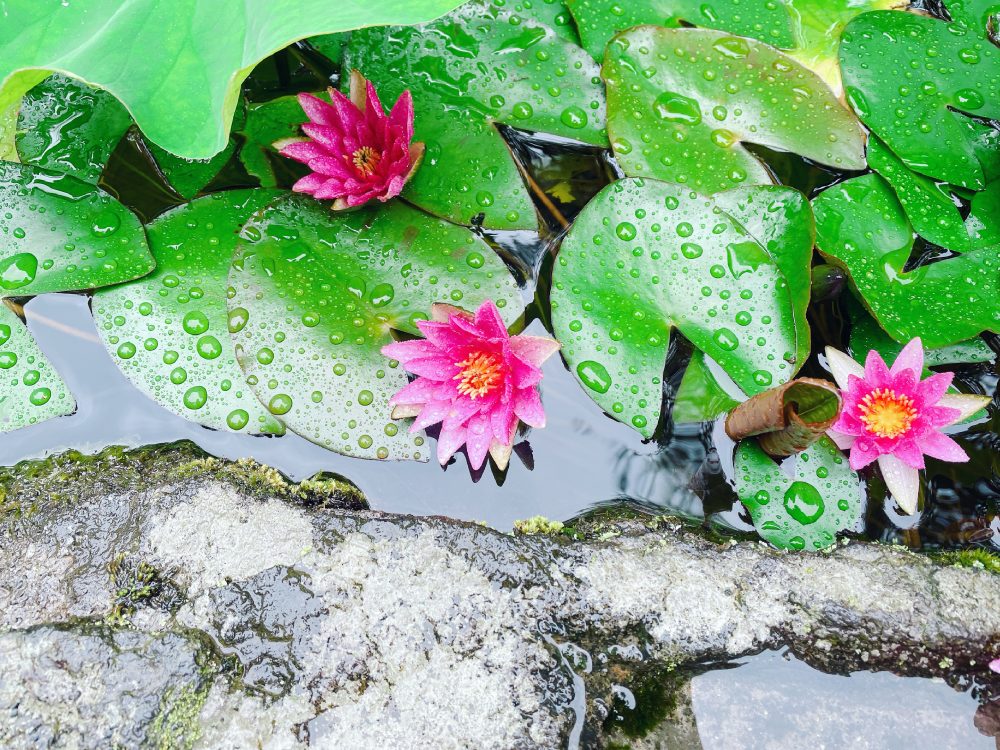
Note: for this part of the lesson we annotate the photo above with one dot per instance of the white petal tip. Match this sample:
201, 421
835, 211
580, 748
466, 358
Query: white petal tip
966, 404
841, 366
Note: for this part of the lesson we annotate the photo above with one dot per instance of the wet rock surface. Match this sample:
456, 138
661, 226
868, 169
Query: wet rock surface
191, 603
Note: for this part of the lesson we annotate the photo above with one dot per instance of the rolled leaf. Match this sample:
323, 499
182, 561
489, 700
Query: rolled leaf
788, 418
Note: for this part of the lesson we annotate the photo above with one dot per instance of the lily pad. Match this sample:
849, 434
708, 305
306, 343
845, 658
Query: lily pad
699, 397
600, 20
67, 126
983, 223
315, 296
176, 65
62, 234
8, 127
913, 79
266, 123
929, 205
646, 256
467, 72
862, 228
681, 102
804, 502
168, 331
31, 391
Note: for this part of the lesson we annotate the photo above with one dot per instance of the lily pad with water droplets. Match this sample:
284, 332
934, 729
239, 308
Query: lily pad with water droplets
315, 296
700, 397
31, 391
681, 102
862, 228
468, 71
67, 126
266, 123
600, 20
61, 234
803, 503
168, 332
984, 218
913, 79
644, 257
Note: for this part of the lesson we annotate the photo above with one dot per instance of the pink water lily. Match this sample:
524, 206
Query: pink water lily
892, 416
474, 378
995, 665
356, 152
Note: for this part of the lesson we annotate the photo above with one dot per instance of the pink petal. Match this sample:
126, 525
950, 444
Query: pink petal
420, 391
863, 452
401, 117
533, 349
876, 373
940, 446
439, 367
432, 413
351, 118
477, 442
310, 183
318, 111
995, 665
938, 416
303, 151
443, 334
931, 390
489, 321
909, 452
911, 358
449, 442
332, 188
406, 351
524, 375
528, 407
374, 113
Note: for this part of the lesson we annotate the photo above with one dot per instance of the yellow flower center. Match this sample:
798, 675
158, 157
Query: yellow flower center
887, 414
366, 160
480, 373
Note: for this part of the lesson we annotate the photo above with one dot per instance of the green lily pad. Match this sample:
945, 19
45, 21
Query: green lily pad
177, 65
644, 257
168, 332
699, 397
266, 123
67, 126
817, 26
983, 223
682, 101
862, 228
600, 20
912, 79
61, 234
801, 506
31, 389
467, 72
929, 205
190, 176
866, 336
315, 295
8, 128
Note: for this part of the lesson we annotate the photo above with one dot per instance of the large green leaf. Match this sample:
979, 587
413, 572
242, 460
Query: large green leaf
8, 128
168, 331
61, 234
67, 126
912, 79
177, 65
682, 101
266, 123
30, 389
600, 20
862, 228
700, 397
646, 256
801, 508
984, 218
467, 72
315, 295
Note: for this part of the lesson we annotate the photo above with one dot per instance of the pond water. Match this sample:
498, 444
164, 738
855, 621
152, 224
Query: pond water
581, 461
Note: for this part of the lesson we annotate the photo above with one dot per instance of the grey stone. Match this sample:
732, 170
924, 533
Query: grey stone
259, 616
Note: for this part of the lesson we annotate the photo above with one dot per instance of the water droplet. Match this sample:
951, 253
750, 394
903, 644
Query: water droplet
763, 497
18, 271
726, 339
626, 231
574, 117
126, 350
40, 396
594, 375
280, 403
365, 398
804, 503
196, 323
209, 347
238, 419
238, 318
674, 107
105, 223
7, 360
196, 397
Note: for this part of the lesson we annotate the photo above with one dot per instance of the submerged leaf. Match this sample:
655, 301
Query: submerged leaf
67, 126
646, 256
315, 297
267, 123
861, 227
804, 507
681, 102
177, 65
31, 391
788, 418
951, 71
467, 72
168, 332
61, 234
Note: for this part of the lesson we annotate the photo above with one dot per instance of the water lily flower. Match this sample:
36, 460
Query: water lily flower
474, 378
355, 151
893, 417
995, 665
